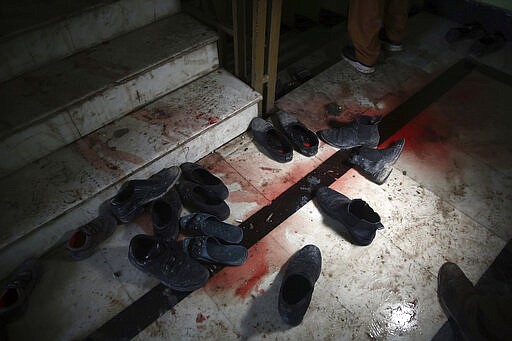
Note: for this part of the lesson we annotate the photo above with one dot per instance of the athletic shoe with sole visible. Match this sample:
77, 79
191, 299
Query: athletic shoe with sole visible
349, 55
130, 200
388, 44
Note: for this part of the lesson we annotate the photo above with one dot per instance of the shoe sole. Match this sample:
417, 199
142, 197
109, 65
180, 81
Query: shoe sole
391, 48
360, 67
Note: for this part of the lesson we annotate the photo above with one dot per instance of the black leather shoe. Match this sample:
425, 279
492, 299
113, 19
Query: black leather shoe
204, 224
165, 260
17, 290
210, 250
87, 238
299, 280
209, 182
376, 164
303, 140
272, 141
165, 215
196, 197
356, 215
130, 200
364, 132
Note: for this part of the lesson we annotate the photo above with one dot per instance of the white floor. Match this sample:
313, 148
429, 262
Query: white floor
448, 198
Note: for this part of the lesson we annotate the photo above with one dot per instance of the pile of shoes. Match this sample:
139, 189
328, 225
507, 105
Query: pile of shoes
180, 265
362, 137
279, 144
485, 42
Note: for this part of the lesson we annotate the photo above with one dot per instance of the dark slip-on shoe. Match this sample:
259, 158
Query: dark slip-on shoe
166, 260
271, 141
165, 215
360, 220
209, 182
210, 250
204, 224
303, 140
302, 272
197, 198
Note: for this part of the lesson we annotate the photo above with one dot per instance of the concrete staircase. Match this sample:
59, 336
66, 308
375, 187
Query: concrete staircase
95, 94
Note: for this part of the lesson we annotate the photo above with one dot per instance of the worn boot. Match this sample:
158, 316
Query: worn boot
376, 163
364, 132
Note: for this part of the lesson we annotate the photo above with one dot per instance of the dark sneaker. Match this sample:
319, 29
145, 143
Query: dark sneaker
203, 224
165, 215
388, 44
210, 250
303, 140
302, 272
209, 182
272, 141
17, 290
85, 239
364, 132
130, 200
487, 44
349, 54
356, 215
165, 260
376, 164
197, 198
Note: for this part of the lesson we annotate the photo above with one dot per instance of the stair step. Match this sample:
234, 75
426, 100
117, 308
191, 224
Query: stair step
49, 108
36, 32
62, 191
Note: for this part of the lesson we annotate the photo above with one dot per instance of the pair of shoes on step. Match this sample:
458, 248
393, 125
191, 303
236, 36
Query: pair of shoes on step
16, 291
202, 191
177, 264
125, 206
362, 137
279, 144
356, 216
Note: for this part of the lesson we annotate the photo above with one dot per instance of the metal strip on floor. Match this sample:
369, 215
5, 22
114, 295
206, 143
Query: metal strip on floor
160, 299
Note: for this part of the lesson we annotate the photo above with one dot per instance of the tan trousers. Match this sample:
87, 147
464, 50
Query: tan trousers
366, 17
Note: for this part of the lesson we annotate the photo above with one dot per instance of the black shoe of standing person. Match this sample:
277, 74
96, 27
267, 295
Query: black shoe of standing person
388, 44
457, 294
360, 220
16, 292
130, 200
272, 141
197, 198
85, 239
376, 164
165, 215
204, 224
166, 260
363, 132
209, 182
301, 274
303, 140
349, 55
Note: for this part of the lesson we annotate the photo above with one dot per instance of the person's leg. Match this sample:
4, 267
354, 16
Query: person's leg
364, 23
395, 19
